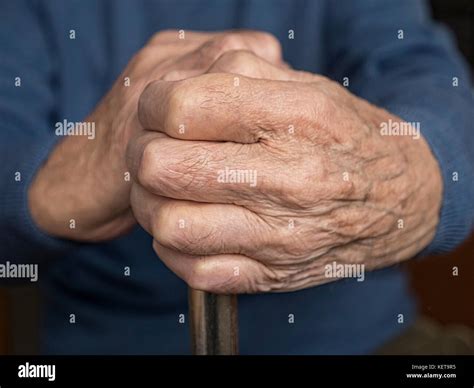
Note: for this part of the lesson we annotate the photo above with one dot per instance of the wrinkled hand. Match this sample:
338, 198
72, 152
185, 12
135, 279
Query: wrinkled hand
253, 185
89, 177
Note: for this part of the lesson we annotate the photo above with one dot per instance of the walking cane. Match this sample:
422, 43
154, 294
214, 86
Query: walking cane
214, 324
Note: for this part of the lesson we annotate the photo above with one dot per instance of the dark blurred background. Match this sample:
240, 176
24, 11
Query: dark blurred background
458, 15
446, 301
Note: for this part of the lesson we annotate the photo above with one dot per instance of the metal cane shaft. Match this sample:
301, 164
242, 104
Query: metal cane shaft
214, 324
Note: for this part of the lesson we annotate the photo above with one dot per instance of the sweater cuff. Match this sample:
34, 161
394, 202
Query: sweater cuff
451, 152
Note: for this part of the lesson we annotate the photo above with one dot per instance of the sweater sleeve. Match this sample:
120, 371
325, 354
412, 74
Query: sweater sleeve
396, 57
27, 113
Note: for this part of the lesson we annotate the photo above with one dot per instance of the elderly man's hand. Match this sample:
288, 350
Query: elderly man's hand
89, 178
254, 178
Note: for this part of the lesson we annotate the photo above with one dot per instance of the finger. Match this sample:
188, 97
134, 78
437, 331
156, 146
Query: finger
214, 107
136, 147
192, 170
181, 54
232, 173
220, 274
203, 228
207, 171
247, 63
213, 46
263, 44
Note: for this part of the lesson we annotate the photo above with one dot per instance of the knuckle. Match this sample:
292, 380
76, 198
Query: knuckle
235, 61
139, 59
175, 102
146, 174
172, 75
145, 96
175, 75
214, 48
230, 41
166, 228
164, 36
324, 104
271, 44
320, 79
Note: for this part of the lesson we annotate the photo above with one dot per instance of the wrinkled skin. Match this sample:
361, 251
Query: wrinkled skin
329, 187
88, 177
